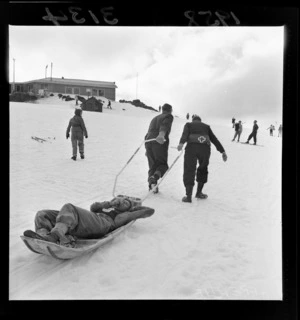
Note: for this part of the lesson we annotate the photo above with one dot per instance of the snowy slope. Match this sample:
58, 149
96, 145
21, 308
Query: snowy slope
225, 247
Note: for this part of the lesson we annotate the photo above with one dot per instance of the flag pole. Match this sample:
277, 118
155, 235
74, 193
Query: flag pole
51, 71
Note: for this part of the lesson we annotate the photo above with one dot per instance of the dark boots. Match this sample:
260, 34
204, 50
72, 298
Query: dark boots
199, 194
73, 158
81, 155
152, 181
188, 192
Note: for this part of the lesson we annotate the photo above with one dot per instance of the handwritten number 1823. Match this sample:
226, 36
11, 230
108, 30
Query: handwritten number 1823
75, 12
221, 16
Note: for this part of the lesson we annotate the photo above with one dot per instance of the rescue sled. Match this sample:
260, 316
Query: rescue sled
83, 246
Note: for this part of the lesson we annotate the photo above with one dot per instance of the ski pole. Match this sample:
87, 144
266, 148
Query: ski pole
144, 141
166, 173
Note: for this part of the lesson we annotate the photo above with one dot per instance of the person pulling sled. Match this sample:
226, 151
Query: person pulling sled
198, 137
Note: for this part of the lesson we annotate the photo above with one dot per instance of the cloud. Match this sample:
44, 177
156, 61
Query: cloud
213, 70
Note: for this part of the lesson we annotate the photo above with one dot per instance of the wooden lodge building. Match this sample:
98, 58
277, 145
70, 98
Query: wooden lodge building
68, 86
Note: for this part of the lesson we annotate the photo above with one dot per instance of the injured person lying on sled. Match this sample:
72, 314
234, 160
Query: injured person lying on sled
71, 222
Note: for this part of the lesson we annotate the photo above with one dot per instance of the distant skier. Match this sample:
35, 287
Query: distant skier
187, 116
77, 133
159, 108
253, 134
238, 127
198, 137
280, 131
233, 122
71, 222
76, 99
272, 128
109, 105
157, 151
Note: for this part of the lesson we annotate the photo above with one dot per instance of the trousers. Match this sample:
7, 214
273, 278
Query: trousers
195, 153
157, 155
81, 223
77, 139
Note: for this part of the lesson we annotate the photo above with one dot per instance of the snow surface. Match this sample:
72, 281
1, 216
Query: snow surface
225, 247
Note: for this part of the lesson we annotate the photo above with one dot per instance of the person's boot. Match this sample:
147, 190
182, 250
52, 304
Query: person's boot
45, 237
199, 194
153, 182
247, 141
188, 192
125, 217
81, 155
73, 158
59, 231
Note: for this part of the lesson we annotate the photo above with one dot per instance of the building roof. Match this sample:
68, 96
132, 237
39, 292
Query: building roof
77, 82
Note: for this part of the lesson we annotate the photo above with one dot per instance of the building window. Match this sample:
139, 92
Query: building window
94, 92
76, 90
69, 90
44, 86
101, 93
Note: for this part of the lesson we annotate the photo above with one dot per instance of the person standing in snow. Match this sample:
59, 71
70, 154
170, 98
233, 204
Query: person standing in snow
109, 105
77, 133
187, 116
233, 122
253, 134
271, 129
280, 131
238, 127
198, 137
157, 151
71, 222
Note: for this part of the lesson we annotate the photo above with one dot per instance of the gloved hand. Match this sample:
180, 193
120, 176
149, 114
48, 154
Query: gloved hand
160, 139
86, 136
98, 206
224, 156
180, 146
67, 136
114, 202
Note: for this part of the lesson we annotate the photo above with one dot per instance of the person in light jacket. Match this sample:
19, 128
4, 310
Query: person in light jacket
78, 131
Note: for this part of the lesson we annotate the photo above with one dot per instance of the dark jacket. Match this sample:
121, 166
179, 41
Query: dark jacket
255, 128
162, 122
199, 132
236, 126
77, 125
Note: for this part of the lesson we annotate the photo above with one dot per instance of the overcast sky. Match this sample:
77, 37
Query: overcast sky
213, 71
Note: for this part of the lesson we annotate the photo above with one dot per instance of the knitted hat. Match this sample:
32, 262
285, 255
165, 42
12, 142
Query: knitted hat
126, 203
196, 117
78, 112
167, 107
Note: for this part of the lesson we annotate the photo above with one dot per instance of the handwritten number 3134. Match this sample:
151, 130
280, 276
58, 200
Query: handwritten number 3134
74, 11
